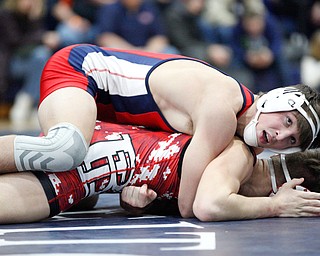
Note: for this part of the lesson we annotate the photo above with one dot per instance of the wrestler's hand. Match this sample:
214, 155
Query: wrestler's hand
138, 196
294, 203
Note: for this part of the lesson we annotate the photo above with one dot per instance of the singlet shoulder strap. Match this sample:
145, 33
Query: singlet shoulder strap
248, 99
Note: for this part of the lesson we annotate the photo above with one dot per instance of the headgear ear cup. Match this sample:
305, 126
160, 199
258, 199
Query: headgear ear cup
249, 134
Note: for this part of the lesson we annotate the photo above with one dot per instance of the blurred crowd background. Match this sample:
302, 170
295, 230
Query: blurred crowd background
262, 43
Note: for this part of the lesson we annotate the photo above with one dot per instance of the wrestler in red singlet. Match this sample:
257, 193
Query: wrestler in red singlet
119, 156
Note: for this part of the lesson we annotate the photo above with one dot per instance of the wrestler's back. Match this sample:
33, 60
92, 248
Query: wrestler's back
122, 155
182, 88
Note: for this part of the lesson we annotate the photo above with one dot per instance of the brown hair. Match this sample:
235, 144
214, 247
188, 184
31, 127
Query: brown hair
313, 98
302, 165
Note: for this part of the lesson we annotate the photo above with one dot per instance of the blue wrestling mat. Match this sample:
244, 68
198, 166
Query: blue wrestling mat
108, 230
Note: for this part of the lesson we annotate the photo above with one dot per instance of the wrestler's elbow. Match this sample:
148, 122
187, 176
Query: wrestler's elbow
207, 211
185, 210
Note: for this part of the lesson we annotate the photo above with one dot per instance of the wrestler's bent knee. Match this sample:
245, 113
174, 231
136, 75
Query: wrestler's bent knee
64, 148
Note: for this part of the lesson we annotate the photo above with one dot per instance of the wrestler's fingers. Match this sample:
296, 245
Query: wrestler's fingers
152, 194
309, 195
310, 211
130, 193
138, 196
124, 192
144, 189
293, 183
147, 194
129, 190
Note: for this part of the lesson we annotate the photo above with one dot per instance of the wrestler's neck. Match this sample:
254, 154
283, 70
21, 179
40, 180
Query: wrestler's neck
245, 118
259, 183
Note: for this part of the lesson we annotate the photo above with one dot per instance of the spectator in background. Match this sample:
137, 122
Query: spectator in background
310, 63
75, 23
193, 36
70, 22
22, 58
222, 16
314, 20
293, 15
257, 45
132, 24
76, 20
73, 20
296, 16
294, 19
185, 30
162, 5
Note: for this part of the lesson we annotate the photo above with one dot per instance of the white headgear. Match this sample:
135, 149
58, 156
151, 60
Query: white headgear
277, 100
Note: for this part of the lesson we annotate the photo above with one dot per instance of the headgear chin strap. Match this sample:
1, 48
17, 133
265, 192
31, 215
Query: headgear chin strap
279, 100
285, 173
250, 133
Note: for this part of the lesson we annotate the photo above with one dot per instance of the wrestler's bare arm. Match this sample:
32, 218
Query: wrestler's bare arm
211, 137
193, 97
218, 199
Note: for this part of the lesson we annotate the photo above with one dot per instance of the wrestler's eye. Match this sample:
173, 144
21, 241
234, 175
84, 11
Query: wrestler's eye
288, 121
293, 140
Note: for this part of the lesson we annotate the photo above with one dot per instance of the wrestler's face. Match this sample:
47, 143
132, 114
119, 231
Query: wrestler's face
278, 130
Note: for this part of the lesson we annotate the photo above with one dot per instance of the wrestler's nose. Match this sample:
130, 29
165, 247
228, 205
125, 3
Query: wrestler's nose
283, 135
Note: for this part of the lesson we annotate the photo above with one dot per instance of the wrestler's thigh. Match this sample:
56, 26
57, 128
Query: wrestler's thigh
22, 198
72, 105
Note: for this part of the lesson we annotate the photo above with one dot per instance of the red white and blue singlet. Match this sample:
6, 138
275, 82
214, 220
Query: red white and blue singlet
117, 79
118, 156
